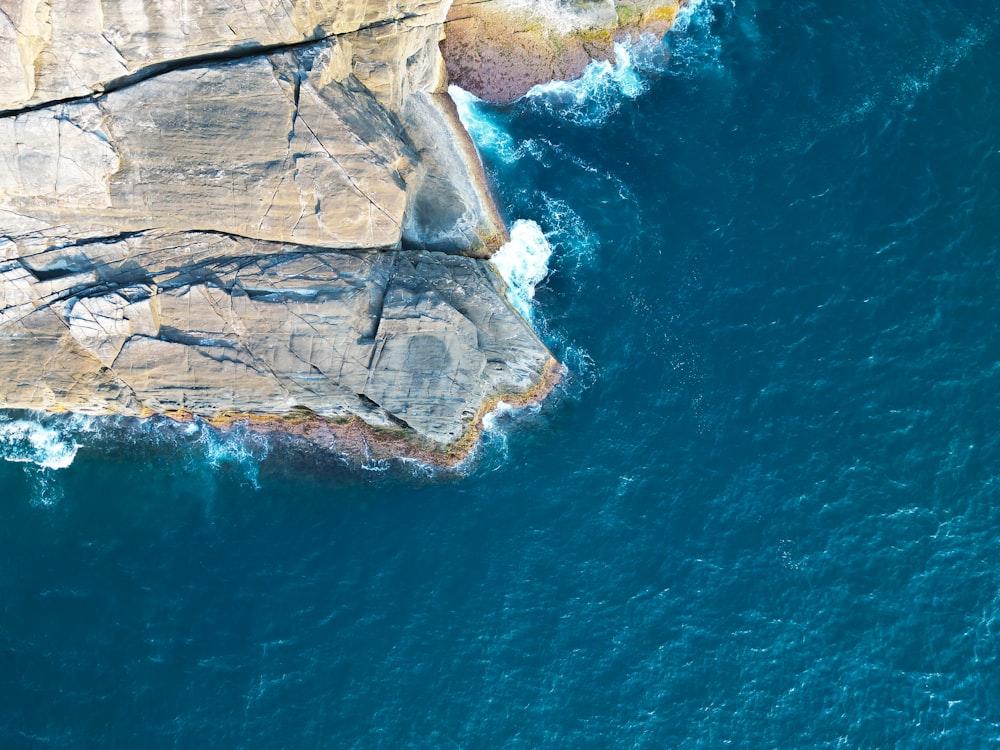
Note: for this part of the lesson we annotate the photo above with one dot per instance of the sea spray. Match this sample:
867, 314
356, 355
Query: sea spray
45, 442
695, 47
562, 18
494, 449
486, 127
26, 441
560, 237
597, 94
572, 240
523, 263
239, 450
587, 101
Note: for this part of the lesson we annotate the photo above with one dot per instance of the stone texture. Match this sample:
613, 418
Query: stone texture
499, 49
264, 208
272, 147
53, 49
209, 323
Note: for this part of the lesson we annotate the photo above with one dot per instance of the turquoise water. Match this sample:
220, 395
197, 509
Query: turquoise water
760, 512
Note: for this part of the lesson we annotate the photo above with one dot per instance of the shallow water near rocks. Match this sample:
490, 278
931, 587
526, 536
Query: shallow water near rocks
761, 511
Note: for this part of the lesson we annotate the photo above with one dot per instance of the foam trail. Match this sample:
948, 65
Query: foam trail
558, 17
24, 441
568, 233
523, 263
493, 441
487, 132
694, 47
492, 453
239, 450
596, 95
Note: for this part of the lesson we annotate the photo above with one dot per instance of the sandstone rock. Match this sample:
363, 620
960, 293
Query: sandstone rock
408, 340
267, 147
53, 49
499, 49
253, 208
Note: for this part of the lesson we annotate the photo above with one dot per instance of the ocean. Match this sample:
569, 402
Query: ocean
761, 511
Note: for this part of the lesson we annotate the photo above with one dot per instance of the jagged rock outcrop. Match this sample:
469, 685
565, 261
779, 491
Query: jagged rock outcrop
287, 123
53, 49
264, 210
499, 49
248, 209
209, 324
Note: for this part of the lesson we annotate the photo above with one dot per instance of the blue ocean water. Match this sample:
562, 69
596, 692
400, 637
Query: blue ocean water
762, 510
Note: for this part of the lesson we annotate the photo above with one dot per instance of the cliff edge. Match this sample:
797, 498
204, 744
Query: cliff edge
255, 210
499, 49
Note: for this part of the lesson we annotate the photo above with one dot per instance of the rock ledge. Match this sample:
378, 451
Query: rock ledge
263, 213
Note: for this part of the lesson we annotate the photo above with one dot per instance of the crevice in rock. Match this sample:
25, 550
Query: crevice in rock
302, 249
376, 306
238, 52
107, 239
349, 176
370, 403
296, 93
177, 336
49, 274
10, 20
114, 46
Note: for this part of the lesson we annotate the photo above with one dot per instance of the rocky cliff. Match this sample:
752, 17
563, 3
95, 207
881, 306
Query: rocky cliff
499, 49
261, 209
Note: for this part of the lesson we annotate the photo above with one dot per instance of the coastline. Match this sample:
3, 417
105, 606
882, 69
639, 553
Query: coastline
326, 278
360, 441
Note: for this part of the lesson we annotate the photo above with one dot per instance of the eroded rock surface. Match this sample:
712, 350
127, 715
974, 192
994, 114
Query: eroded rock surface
499, 49
208, 324
251, 208
52, 49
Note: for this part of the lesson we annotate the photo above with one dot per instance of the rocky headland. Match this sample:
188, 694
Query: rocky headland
499, 49
268, 212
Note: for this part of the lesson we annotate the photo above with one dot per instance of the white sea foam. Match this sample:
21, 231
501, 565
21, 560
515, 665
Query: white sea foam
569, 233
523, 263
596, 95
492, 418
26, 441
493, 442
238, 450
689, 13
602, 88
486, 130
492, 453
694, 47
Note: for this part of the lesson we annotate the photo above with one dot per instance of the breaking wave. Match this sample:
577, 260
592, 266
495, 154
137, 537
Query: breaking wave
694, 46
596, 95
52, 442
487, 130
557, 238
523, 263
26, 441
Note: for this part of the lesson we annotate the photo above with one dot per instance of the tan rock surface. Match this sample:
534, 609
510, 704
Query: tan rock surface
53, 49
218, 208
499, 49
211, 324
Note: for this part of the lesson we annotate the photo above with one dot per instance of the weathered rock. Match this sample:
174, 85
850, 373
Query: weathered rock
251, 209
499, 49
53, 49
288, 147
243, 148
211, 324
